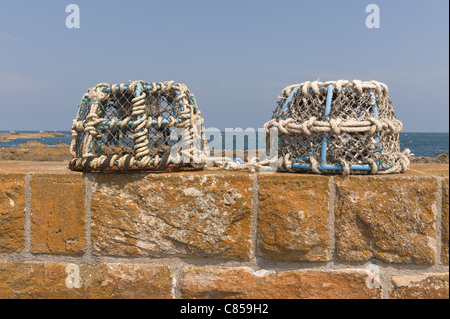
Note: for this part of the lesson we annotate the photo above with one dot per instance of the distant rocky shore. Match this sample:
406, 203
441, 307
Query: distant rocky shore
39, 144
440, 159
48, 153
7, 137
36, 151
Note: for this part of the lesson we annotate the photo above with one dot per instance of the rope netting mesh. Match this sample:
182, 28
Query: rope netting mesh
138, 126
338, 126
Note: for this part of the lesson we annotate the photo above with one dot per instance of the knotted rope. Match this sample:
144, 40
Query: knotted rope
362, 126
96, 125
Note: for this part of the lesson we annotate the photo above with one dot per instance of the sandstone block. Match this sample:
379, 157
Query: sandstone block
58, 218
180, 214
12, 212
293, 217
391, 218
244, 283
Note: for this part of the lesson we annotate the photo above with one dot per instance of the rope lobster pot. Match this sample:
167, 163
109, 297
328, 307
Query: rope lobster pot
138, 126
338, 126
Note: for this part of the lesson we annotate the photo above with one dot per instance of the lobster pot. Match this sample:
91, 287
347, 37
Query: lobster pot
138, 126
341, 126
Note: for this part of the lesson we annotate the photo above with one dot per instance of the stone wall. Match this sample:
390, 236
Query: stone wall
217, 234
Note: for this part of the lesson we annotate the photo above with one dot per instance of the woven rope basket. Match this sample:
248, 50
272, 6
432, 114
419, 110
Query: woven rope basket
138, 126
341, 126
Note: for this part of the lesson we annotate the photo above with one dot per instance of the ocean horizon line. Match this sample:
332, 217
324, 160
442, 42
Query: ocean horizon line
222, 130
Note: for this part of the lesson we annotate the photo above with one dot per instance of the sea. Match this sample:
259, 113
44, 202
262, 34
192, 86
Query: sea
420, 144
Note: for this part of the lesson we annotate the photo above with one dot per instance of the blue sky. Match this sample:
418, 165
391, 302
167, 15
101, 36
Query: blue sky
236, 56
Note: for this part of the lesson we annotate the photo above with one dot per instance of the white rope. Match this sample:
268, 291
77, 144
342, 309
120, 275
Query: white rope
335, 126
140, 126
315, 86
313, 93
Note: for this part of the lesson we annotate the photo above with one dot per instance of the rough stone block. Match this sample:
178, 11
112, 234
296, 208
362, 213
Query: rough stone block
391, 218
58, 218
293, 217
180, 214
69, 281
430, 286
243, 283
441, 170
445, 221
12, 213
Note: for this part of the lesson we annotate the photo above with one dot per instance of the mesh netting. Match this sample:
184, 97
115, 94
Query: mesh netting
338, 126
138, 126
